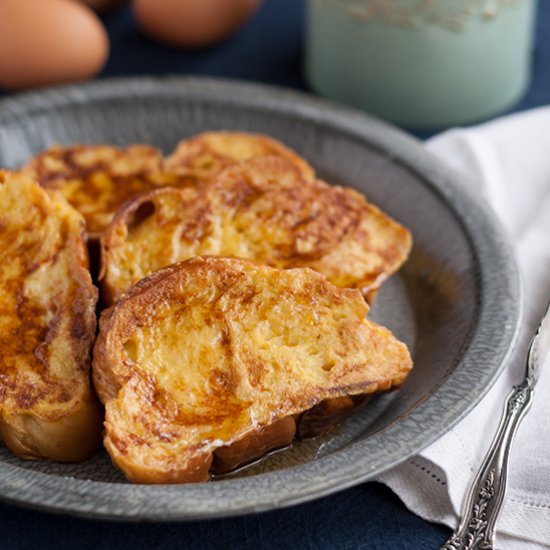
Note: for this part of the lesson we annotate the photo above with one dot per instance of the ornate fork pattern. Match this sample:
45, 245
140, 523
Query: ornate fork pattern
486, 495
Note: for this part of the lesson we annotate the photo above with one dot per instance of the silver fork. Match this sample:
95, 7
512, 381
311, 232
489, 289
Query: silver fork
485, 497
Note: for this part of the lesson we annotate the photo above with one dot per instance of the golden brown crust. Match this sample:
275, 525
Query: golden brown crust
47, 326
202, 158
265, 210
97, 179
211, 352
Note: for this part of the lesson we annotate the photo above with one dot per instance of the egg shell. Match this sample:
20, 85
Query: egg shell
46, 42
192, 23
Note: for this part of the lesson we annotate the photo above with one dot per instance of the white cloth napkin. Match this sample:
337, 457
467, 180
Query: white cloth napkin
507, 162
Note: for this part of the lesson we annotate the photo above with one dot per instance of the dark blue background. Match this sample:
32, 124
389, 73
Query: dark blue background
369, 516
268, 49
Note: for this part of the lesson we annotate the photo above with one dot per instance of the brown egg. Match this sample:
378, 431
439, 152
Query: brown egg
102, 6
49, 42
192, 23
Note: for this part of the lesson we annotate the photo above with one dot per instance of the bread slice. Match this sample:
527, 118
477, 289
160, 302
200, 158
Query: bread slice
97, 179
209, 362
202, 158
263, 209
47, 326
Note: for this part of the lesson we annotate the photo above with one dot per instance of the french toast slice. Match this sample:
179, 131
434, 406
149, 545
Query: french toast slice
97, 179
202, 158
262, 209
208, 363
47, 326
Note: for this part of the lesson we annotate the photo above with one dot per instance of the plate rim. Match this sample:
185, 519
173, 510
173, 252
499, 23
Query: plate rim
267, 491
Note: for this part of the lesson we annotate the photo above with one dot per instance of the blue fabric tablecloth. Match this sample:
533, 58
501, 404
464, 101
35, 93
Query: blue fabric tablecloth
369, 516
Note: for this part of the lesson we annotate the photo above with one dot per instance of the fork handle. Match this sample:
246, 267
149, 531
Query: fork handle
486, 495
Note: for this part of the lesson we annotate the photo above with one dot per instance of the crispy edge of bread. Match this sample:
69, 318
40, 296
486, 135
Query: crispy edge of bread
75, 434
177, 162
110, 375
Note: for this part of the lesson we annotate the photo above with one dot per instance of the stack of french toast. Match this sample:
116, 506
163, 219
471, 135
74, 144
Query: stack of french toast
233, 292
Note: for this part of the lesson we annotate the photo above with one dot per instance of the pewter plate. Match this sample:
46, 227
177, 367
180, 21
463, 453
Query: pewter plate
455, 303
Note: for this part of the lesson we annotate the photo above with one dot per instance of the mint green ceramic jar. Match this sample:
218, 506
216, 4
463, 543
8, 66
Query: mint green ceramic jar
421, 63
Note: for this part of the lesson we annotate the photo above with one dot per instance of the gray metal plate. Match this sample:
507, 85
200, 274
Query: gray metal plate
456, 302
